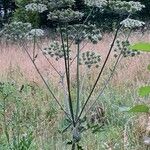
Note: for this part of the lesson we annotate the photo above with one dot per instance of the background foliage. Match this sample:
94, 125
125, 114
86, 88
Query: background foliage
14, 10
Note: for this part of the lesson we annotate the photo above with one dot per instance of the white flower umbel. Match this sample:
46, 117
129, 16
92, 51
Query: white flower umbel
34, 33
96, 3
131, 23
36, 7
65, 15
130, 6
16, 30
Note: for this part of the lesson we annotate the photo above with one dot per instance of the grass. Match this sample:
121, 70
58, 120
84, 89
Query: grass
29, 117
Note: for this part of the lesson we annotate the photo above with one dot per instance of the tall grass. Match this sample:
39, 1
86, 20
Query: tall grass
30, 118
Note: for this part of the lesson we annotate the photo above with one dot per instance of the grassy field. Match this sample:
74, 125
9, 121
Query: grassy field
30, 117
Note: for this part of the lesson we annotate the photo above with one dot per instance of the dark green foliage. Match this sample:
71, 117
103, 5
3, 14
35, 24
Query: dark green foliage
106, 19
145, 13
79, 4
22, 15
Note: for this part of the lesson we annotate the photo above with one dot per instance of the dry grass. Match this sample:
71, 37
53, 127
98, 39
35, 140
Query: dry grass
14, 60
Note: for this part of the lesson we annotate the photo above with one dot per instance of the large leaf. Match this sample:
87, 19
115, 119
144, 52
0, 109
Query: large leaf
145, 47
144, 91
140, 108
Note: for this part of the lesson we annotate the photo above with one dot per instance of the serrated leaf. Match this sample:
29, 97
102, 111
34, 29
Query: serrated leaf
144, 91
142, 46
140, 108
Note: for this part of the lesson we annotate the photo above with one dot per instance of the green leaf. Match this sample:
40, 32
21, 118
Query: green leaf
145, 47
144, 91
140, 108
148, 67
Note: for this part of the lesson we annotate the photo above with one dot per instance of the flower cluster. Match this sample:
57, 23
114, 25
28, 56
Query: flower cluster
55, 50
131, 23
66, 15
34, 33
80, 32
123, 6
96, 3
90, 59
123, 47
37, 7
59, 4
16, 31
93, 34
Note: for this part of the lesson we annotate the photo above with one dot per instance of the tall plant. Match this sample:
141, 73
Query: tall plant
72, 31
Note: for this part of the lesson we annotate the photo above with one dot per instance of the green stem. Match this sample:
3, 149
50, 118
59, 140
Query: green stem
73, 146
100, 73
5, 124
78, 81
46, 84
67, 77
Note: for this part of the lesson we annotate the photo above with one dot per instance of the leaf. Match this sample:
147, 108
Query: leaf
140, 108
142, 46
144, 91
148, 67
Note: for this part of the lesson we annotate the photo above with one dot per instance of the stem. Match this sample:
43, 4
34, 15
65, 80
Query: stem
34, 44
111, 74
5, 124
73, 146
100, 73
78, 81
106, 82
33, 62
80, 29
49, 62
68, 80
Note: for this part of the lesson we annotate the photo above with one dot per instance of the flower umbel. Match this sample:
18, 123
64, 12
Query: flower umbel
131, 23
34, 33
36, 7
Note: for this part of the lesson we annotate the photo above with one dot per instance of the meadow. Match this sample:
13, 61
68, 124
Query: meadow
31, 119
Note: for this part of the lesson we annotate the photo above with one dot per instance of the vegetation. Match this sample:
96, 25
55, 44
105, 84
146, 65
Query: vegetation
76, 109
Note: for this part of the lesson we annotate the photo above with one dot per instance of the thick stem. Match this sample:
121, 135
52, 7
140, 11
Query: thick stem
110, 76
67, 78
73, 146
78, 80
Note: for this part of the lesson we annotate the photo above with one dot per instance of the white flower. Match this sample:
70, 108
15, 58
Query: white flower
136, 5
96, 3
16, 30
36, 7
130, 6
66, 15
131, 23
34, 33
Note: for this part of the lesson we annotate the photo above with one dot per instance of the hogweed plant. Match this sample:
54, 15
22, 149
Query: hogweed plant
74, 28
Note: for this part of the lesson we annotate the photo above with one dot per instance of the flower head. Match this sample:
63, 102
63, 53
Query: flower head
131, 23
36, 7
96, 3
34, 33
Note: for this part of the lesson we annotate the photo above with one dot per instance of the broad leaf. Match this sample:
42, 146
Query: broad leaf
144, 91
140, 108
145, 47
